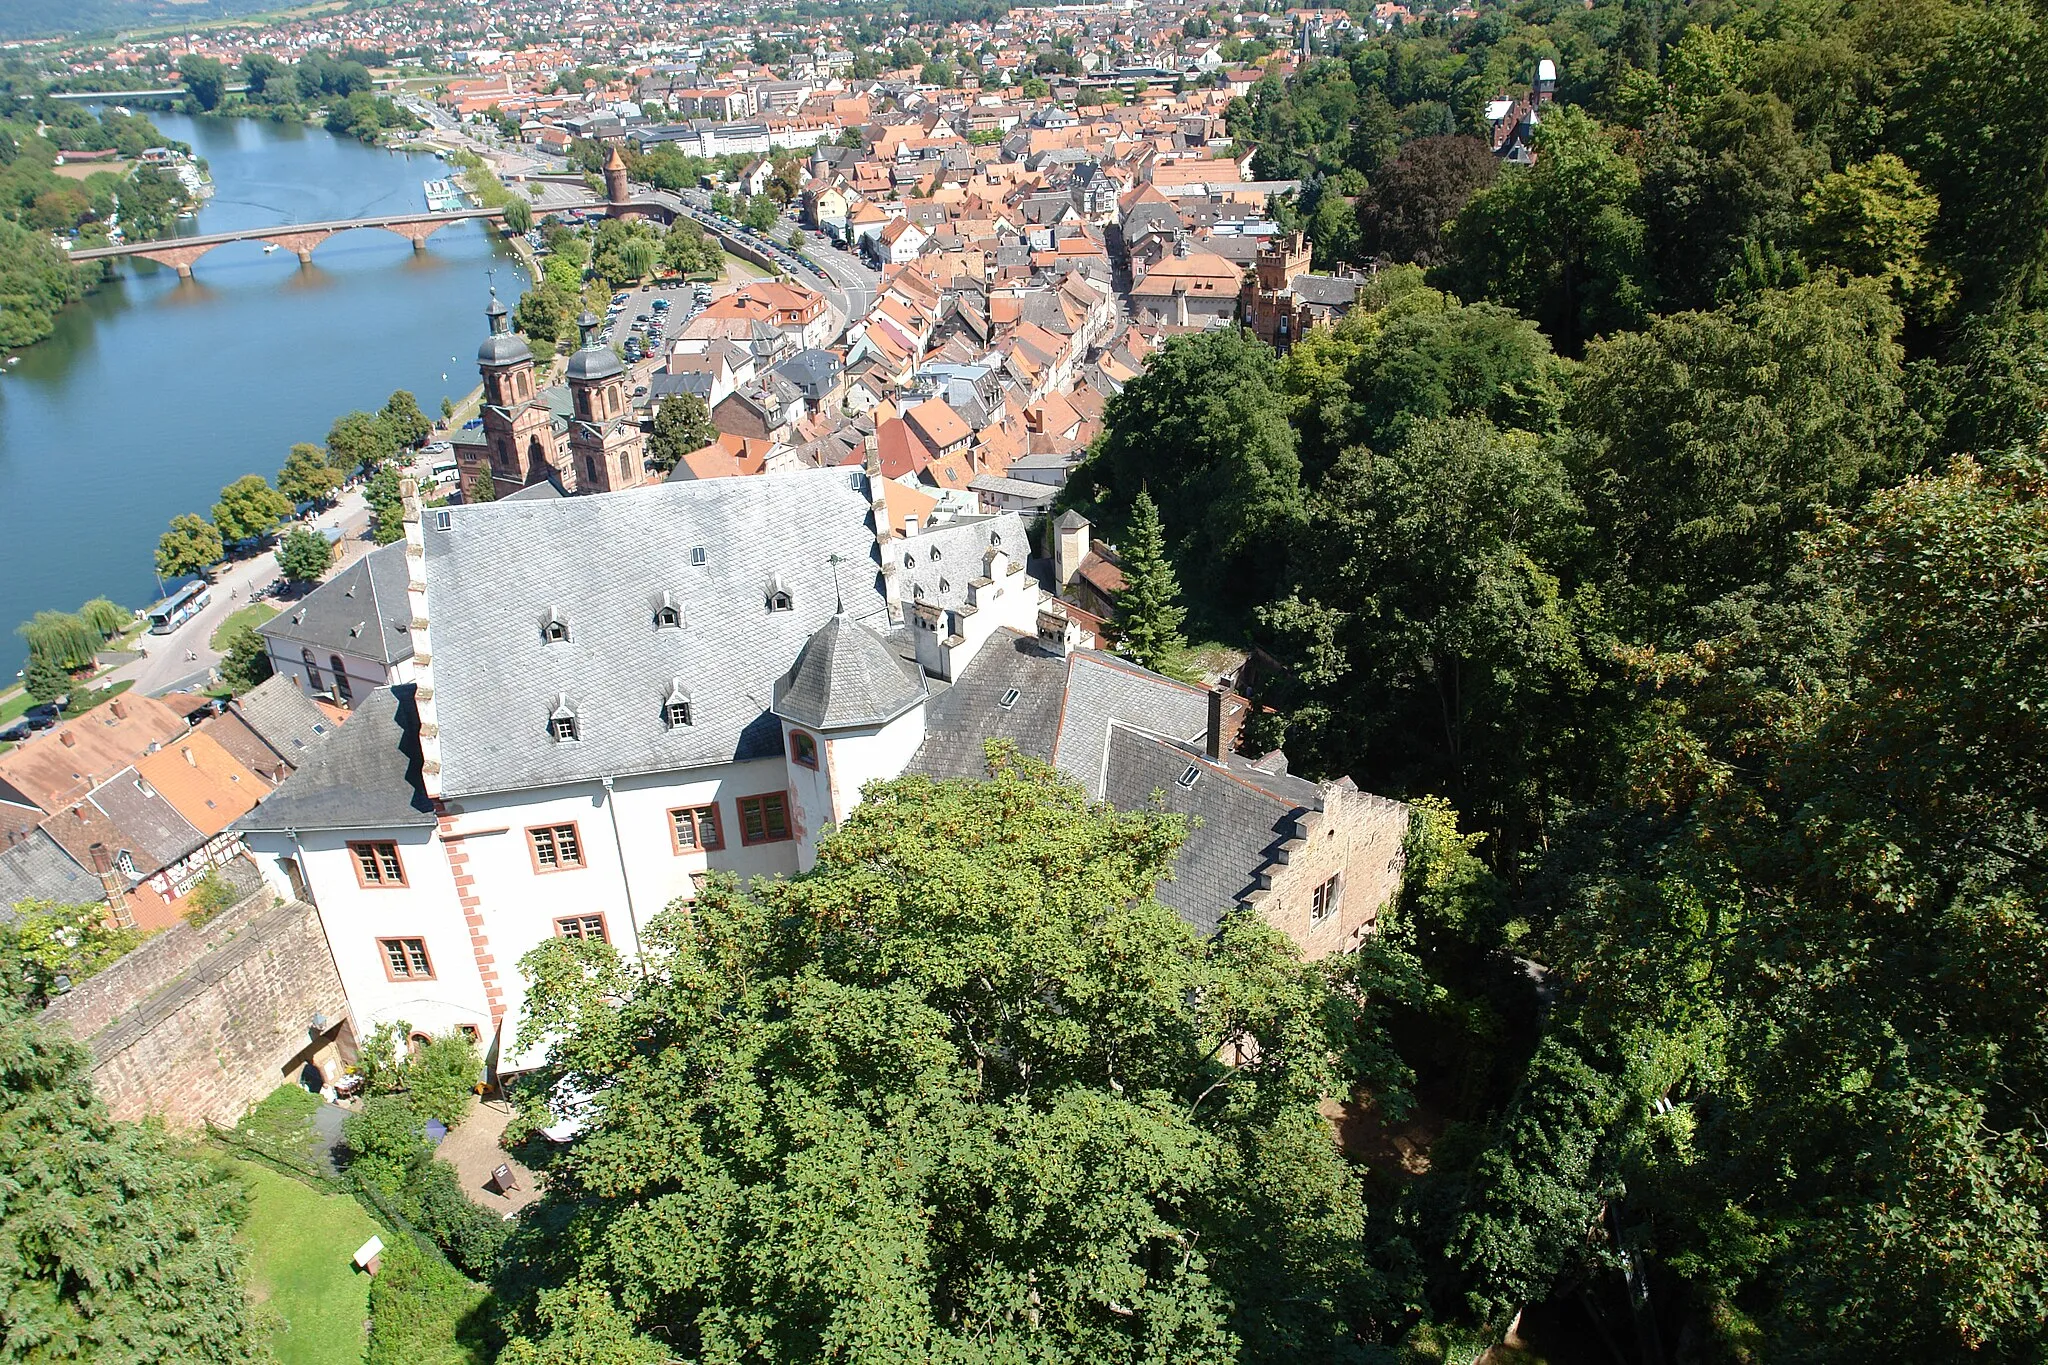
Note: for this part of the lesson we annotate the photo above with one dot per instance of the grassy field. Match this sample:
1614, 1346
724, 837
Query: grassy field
255, 614
300, 1243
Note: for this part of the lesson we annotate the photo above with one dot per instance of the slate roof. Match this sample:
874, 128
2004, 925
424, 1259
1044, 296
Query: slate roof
366, 775
938, 563
847, 677
1234, 825
959, 721
1123, 734
360, 611
148, 827
283, 717
603, 564
38, 868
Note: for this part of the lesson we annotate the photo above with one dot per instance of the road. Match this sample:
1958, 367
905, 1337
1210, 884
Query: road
849, 286
183, 659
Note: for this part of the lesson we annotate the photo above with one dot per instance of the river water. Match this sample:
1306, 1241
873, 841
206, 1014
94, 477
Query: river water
155, 392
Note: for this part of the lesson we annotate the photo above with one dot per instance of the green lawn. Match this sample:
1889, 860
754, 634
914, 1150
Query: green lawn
300, 1243
255, 614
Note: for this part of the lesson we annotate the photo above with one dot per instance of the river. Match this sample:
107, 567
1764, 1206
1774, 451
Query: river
155, 392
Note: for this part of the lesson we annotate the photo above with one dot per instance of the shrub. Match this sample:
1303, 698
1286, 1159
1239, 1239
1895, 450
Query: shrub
441, 1077
422, 1313
388, 1152
209, 896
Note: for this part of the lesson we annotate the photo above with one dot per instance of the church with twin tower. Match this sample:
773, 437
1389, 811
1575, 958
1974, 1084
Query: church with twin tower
581, 435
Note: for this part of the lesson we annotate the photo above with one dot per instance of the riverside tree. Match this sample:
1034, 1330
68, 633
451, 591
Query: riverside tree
966, 1092
306, 476
188, 547
402, 420
248, 508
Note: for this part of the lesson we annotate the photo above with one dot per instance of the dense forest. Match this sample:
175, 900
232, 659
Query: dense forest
1668, 522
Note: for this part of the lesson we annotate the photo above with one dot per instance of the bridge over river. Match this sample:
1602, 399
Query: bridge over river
181, 252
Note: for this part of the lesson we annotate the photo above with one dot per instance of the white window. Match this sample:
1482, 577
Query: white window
1324, 903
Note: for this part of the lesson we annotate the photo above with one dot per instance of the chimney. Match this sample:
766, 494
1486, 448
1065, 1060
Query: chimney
110, 884
67, 739
120, 708
1215, 738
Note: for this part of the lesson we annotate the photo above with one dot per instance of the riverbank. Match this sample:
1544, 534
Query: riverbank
153, 393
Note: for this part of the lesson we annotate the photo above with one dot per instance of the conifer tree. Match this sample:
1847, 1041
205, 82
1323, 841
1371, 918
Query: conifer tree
1147, 610
113, 1244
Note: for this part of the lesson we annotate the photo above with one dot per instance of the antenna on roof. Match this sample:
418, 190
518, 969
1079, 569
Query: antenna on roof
838, 594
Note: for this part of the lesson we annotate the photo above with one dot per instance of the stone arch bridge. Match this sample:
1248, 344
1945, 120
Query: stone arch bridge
301, 238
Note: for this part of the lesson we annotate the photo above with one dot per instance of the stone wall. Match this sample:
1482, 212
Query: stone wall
1357, 838
200, 1023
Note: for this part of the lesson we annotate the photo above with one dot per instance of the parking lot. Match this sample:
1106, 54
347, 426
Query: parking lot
637, 315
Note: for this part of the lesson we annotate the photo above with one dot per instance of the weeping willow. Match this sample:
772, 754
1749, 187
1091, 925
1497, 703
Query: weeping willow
66, 639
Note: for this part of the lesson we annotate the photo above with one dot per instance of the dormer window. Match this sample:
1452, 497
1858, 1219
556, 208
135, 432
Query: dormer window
563, 723
668, 613
778, 595
554, 628
1009, 699
936, 555
675, 707
1187, 779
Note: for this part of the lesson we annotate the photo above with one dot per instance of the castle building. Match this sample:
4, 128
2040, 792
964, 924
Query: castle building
613, 696
1280, 301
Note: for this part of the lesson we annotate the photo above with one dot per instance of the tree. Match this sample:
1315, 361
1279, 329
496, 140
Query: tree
1967, 116
1558, 241
66, 639
447, 408
919, 1100
357, 441
688, 249
403, 422
249, 508
206, 80
307, 478
1033, 88
1873, 219
681, 424
1712, 439
49, 947
1431, 632
760, 213
544, 314
45, 679
1733, 173
1148, 616
1840, 785
1205, 430
116, 1245
106, 617
303, 555
246, 661
485, 489
624, 252
387, 507
188, 547
519, 216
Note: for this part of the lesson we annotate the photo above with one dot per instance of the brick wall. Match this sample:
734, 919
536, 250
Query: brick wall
200, 1023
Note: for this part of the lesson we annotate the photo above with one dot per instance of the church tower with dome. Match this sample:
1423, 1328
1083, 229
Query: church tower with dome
519, 446
606, 448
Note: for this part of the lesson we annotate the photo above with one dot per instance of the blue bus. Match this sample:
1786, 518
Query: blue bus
180, 607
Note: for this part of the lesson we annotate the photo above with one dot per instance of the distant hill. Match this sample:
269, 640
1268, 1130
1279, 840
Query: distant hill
42, 19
